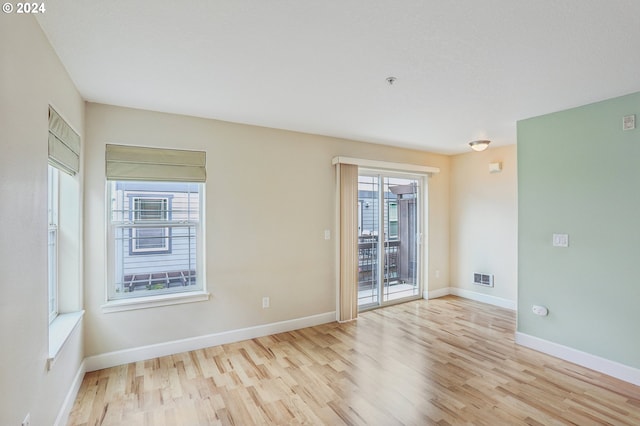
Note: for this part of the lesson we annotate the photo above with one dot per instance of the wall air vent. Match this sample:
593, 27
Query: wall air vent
483, 279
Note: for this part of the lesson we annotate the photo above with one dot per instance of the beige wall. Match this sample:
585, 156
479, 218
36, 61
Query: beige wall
270, 194
31, 78
484, 221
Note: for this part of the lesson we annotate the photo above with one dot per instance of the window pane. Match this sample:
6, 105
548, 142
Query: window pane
369, 225
151, 238
401, 247
150, 259
150, 209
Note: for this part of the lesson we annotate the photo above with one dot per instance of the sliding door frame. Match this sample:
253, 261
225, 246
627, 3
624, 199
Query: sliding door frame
393, 168
422, 222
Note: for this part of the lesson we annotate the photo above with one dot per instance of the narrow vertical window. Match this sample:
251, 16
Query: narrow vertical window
63, 146
52, 261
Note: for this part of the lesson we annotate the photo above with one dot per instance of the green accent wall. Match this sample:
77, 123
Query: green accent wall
579, 174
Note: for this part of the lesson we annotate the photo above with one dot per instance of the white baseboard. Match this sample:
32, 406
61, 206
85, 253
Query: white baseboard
468, 294
484, 298
601, 365
434, 294
111, 359
70, 399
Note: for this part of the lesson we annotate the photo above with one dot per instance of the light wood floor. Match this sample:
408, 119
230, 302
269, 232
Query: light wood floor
443, 361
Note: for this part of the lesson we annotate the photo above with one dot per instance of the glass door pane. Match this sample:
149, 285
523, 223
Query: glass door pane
401, 228
388, 239
368, 228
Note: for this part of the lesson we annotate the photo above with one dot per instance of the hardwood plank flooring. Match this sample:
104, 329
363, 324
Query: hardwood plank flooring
446, 361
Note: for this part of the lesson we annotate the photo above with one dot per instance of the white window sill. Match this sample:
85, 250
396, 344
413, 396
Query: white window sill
153, 301
59, 331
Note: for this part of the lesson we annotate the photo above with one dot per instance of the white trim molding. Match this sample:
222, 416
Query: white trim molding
59, 331
584, 359
484, 298
141, 353
472, 295
154, 301
386, 165
434, 294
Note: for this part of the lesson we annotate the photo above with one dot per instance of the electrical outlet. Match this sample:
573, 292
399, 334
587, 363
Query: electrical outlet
265, 302
540, 310
27, 420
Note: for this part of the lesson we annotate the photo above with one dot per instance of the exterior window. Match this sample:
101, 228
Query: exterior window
52, 261
155, 238
150, 240
393, 220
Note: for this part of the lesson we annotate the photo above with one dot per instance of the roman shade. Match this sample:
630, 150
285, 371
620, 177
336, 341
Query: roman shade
64, 144
155, 164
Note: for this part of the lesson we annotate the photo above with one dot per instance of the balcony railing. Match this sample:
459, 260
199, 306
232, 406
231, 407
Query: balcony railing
158, 280
368, 262
399, 272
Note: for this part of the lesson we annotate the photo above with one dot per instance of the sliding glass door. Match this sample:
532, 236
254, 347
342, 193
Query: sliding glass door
389, 231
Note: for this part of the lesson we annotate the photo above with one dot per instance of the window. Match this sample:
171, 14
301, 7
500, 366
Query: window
52, 261
150, 240
155, 231
155, 238
64, 213
63, 145
393, 219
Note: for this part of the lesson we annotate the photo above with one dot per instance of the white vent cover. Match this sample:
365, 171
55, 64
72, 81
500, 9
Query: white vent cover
483, 279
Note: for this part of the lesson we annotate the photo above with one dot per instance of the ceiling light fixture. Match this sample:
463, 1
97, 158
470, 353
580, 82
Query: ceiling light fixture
479, 145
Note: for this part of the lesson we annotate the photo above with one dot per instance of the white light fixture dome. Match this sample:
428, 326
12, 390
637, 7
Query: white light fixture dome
479, 145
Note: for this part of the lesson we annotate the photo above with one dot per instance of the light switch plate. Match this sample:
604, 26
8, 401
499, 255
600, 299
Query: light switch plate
495, 167
629, 122
561, 240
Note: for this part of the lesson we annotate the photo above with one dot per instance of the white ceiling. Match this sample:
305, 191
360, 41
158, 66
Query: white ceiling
465, 69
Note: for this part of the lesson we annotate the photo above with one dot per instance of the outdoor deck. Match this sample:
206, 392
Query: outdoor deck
158, 280
390, 292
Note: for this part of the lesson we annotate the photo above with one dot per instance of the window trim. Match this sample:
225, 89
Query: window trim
154, 301
65, 221
53, 190
59, 332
